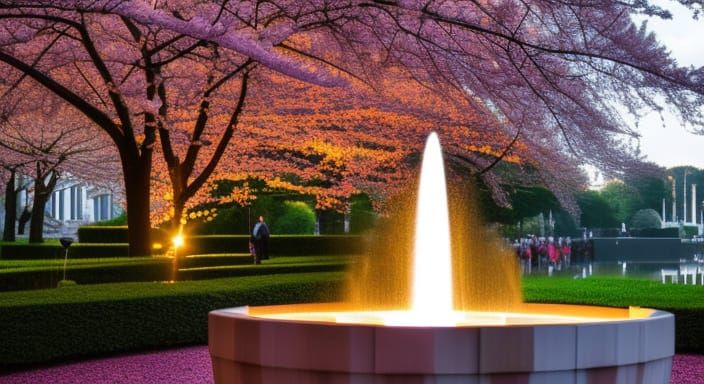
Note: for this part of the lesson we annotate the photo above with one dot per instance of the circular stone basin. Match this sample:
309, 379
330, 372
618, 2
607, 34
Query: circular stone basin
543, 343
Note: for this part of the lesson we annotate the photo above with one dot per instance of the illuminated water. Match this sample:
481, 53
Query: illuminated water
432, 256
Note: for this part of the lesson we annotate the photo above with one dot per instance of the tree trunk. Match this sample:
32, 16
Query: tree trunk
137, 195
10, 209
24, 219
36, 224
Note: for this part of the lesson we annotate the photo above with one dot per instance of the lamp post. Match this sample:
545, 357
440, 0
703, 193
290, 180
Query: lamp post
65, 243
177, 242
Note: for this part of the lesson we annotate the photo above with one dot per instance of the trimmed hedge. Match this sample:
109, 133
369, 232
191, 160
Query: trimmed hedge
53, 251
30, 251
50, 325
656, 232
34, 276
112, 234
156, 270
102, 234
227, 271
283, 245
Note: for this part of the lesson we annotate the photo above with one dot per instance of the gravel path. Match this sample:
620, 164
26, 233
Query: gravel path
191, 365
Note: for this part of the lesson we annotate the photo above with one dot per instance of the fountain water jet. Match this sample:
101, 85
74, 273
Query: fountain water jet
432, 256
432, 342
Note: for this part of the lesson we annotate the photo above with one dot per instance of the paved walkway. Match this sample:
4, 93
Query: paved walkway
191, 365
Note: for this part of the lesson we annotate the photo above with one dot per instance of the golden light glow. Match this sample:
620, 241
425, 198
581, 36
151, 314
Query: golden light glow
432, 266
177, 241
456, 318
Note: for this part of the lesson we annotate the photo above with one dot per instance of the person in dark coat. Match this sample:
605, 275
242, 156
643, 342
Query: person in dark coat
261, 240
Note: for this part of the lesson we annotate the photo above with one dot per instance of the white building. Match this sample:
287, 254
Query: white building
72, 204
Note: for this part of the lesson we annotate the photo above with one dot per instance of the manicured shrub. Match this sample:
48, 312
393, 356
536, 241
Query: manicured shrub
52, 251
646, 218
690, 230
118, 220
655, 232
232, 271
362, 215
279, 245
89, 251
112, 272
297, 218
10, 251
102, 234
113, 234
50, 325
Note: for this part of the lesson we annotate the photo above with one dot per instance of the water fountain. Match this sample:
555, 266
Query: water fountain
432, 341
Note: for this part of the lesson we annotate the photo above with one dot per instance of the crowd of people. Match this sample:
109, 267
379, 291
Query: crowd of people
550, 254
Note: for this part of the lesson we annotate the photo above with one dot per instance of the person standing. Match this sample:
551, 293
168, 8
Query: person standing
261, 240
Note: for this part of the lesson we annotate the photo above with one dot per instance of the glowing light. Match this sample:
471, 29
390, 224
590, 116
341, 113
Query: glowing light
468, 318
432, 269
177, 241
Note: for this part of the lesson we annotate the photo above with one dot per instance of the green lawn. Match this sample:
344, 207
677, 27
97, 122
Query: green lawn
613, 291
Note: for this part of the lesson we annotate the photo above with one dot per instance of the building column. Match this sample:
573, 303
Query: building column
694, 203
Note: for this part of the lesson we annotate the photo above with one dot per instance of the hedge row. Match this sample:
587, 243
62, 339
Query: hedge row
157, 270
112, 234
43, 326
160, 269
284, 245
289, 245
53, 251
220, 272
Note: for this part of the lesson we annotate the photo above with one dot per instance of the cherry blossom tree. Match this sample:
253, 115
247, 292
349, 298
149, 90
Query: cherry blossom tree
47, 141
551, 73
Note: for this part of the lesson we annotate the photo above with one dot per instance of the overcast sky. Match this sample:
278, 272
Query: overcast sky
672, 144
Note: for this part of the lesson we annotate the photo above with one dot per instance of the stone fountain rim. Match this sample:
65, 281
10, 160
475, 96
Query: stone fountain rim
370, 349
615, 314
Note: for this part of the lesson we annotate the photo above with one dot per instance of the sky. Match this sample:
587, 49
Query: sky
672, 145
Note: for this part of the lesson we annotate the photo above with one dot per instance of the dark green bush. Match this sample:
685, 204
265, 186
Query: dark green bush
9, 251
646, 218
119, 220
50, 325
655, 232
52, 251
284, 245
690, 230
113, 234
227, 271
89, 251
279, 245
102, 234
362, 215
298, 218
49, 277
